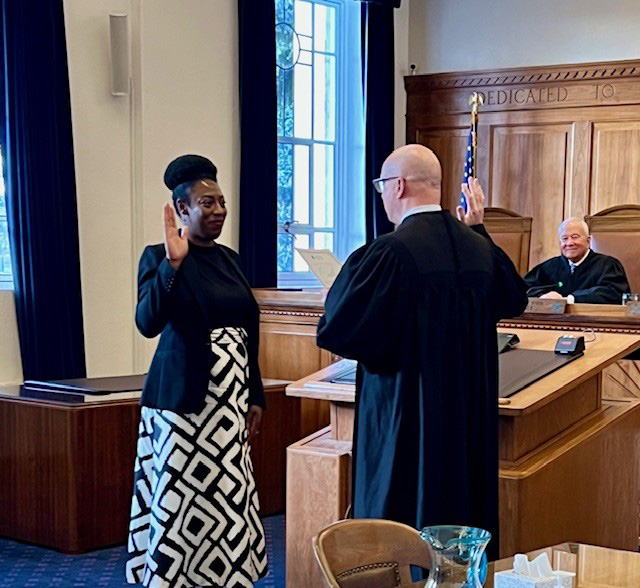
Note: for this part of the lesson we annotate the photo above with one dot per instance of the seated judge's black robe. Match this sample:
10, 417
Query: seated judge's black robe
599, 279
418, 309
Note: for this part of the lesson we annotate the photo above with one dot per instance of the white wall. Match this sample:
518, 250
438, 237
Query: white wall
184, 64
457, 35
103, 183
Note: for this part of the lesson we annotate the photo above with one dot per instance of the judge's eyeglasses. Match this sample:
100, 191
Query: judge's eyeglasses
378, 183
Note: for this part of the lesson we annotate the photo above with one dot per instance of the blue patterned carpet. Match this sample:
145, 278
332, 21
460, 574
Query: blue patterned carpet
26, 566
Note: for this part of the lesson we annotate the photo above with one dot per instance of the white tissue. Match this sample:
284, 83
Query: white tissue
540, 567
533, 574
521, 564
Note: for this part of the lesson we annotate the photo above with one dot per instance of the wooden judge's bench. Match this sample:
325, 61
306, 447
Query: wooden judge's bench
569, 443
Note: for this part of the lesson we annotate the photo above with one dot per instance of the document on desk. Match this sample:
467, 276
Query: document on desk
324, 264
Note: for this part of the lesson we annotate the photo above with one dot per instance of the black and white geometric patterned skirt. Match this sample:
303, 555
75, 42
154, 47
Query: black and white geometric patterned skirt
194, 513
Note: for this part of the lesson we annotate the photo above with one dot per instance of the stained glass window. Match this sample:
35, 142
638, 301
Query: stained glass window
310, 42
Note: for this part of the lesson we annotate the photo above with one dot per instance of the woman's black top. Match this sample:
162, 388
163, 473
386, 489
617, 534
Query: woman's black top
207, 291
221, 289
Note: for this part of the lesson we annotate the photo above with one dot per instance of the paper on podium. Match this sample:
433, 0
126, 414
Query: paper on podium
324, 264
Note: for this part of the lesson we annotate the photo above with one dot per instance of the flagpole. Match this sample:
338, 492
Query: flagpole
475, 100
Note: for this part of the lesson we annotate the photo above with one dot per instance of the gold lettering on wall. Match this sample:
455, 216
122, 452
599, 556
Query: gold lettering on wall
604, 91
531, 96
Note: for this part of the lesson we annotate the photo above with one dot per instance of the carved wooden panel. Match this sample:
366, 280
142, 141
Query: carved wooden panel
616, 164
621, 380
450, 146
528, 175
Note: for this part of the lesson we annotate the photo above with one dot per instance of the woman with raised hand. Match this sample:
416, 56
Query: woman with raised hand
194, 514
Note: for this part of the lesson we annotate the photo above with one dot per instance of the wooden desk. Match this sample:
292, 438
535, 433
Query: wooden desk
288, 350
565, 455
621, 379
66, 475
595, 567
67, 471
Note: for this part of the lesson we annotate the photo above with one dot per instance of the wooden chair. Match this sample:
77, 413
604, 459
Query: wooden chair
512, 233
615, 231
369, 553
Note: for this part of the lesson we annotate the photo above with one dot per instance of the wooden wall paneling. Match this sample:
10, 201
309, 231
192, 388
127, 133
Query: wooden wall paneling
526, 112
528, 175
579, 170
616, 164
450, 145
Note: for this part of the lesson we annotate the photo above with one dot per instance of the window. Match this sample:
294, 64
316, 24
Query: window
320, 132
6, 278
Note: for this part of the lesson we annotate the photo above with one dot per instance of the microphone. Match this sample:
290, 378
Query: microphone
544, 287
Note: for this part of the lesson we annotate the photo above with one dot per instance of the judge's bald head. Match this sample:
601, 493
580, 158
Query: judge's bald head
411, 176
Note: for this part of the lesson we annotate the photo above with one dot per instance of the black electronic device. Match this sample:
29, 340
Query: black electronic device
570, 345
507, 341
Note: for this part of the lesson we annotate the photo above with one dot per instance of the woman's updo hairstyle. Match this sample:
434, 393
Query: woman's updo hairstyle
183, 171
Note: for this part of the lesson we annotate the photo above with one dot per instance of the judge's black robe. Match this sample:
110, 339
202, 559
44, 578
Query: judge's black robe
418, 309
599, 279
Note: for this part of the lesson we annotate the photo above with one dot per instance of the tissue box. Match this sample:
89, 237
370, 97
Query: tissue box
564, 579
509, 579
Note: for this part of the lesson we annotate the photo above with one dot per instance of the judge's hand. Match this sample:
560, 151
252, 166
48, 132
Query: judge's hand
254, 416
475, 203
555, 295
176, 245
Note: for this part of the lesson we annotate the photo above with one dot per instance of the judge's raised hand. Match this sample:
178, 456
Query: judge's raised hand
176, 245
475, 203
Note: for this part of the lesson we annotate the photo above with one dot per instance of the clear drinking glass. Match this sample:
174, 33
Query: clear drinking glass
458, 557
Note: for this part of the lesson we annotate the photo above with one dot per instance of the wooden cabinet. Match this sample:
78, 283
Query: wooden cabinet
288, 350
553, 141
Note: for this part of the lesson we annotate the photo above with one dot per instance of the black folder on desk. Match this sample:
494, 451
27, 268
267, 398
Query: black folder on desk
97, 386
518, 369
521, 367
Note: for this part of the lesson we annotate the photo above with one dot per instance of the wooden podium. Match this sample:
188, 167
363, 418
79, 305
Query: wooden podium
569, 459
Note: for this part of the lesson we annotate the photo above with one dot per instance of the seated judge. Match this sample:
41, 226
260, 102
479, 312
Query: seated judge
579, 274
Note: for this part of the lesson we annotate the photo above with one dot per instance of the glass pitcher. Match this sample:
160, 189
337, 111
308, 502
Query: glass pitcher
458, 556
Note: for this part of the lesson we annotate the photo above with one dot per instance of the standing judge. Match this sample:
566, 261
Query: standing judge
418, 309
579, 274
194, 512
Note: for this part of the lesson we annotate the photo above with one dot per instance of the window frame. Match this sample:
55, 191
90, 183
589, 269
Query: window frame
341, 207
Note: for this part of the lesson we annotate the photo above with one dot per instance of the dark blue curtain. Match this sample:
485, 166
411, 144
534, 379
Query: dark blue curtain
259, 141
378, 82
41, 195
387, 3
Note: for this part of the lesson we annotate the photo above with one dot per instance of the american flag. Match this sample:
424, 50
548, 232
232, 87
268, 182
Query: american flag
469, 162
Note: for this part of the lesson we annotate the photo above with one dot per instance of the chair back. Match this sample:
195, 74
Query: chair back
363, 553
512, 233
615, 231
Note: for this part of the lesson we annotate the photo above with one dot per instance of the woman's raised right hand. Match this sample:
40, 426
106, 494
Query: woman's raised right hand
176, 245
